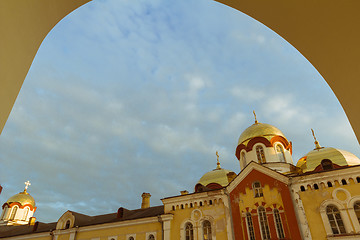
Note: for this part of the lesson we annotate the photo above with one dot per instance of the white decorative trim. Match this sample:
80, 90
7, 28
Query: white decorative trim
130, 235
196, 215
29, 236
343, 214
151, 233
352, 213
255, 166
119, 224
348, 195
182, 228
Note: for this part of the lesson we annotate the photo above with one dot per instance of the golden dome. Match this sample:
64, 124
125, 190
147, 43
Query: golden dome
340, 157
259, 130
218, 175
23, 198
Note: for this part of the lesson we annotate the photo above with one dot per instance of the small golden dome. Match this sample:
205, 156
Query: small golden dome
23, 198
219, 176
340, 157
259, 130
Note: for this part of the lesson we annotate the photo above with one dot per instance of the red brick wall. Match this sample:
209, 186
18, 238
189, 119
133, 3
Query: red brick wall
288, 218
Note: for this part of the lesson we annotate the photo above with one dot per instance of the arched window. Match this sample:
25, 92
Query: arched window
316, 186
278, 224
357, 210
25, 214
358, 179
189, 232
250, 226
260, 154
302, 188
151, 237
13, 213
327, 164
243, 159
207, 230
280, 152
257, 189
336, 223
67, 225
329, 184
131, 238
343, 182
4, 211
264, 225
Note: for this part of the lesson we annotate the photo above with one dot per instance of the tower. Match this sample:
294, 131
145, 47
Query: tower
18, 209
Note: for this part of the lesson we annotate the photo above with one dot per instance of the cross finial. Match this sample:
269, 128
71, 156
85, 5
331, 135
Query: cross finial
256, 121
317, 145
27, 184
218, 162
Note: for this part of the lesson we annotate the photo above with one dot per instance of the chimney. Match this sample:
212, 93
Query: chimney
184, 192
145, 200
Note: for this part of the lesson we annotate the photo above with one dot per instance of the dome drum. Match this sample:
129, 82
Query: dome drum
268, 143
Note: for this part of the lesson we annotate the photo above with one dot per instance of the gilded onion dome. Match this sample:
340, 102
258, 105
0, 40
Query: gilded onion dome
215, 179
315, 157
23, 198
267, 136
337, 156
259, 130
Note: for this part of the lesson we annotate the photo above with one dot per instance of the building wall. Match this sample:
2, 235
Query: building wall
314, 201
195, 209
275, 195
139, 229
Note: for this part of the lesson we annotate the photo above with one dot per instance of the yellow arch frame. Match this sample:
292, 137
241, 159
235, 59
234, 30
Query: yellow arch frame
324, 31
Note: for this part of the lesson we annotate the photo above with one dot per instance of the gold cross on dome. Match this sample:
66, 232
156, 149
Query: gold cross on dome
218, 162
27, 183
256, 121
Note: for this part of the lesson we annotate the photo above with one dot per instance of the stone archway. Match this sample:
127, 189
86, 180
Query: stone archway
323, 31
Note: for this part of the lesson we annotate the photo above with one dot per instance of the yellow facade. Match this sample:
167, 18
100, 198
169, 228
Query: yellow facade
195, 209
318, 192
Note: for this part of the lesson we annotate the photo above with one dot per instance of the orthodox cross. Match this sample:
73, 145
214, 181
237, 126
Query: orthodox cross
218, 162
27, 183
256, 121
317, 145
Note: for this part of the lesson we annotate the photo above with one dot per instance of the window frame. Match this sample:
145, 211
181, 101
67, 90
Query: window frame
281, 154
336, 218
250, 226
13, 213
263, 223
258, 191
191, 231
203, 229
243, 159
260, 154
278, 224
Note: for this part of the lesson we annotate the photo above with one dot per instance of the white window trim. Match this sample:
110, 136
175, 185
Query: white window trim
243, 159
267, 220
212, 224
247, 225
352, 214
182, 229
281, 153
149, 233
343, 214
281, 221
131, 235
263, 147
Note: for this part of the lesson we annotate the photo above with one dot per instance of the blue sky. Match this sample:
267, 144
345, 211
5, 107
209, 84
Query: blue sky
126, 97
